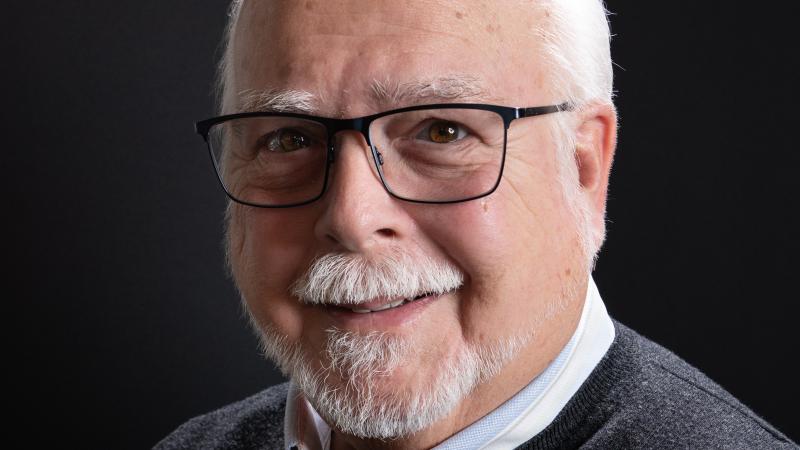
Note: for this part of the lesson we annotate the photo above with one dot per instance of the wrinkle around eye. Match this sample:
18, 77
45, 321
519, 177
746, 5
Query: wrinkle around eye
519, 170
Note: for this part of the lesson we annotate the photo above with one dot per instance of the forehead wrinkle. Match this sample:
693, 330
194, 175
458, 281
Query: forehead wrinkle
276, 100
450, 88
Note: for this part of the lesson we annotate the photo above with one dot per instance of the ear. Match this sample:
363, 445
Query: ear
596, 140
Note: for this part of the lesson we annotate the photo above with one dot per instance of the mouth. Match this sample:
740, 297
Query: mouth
382, 313
383, 305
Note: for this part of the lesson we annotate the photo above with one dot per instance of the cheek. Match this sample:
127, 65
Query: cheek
515, 247
472, 234
481, 238
268, 251
495, 235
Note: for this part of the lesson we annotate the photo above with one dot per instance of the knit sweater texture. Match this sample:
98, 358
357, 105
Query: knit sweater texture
640, 396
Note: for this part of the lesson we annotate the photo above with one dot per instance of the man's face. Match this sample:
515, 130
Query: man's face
517, 250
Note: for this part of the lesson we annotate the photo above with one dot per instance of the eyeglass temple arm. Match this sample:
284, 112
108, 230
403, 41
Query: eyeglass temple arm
539, 110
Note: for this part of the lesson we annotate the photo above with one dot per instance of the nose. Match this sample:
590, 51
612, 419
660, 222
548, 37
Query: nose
358, 214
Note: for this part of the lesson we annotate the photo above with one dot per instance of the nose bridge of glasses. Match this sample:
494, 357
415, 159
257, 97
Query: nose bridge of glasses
337, 126
344, 139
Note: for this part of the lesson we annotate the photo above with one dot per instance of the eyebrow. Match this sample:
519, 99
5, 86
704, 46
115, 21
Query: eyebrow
276, 100
385, 93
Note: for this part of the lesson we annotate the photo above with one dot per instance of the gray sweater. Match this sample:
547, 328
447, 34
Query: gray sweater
639, 396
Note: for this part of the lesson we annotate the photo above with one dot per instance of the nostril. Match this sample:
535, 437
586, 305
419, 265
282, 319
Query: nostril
386, 232
331, 238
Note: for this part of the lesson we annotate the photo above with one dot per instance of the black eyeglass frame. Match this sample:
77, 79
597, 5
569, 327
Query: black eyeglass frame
362, 124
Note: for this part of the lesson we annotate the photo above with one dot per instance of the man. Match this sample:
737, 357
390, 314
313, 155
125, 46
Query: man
417, 198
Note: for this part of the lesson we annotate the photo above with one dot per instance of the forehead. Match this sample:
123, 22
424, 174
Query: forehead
356, 56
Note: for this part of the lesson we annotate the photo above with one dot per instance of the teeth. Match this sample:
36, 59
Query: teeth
394, 304
390, 305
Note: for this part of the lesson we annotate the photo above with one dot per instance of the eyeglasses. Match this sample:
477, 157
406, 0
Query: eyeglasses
443, 153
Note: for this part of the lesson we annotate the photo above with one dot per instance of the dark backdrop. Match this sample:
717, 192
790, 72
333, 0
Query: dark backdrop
123, 323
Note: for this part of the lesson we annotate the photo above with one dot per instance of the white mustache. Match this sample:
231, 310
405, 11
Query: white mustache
343, 278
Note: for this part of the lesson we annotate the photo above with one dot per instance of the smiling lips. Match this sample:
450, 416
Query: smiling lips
382, 304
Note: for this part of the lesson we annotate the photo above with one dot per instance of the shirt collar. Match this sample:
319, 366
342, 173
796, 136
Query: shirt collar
534, 407
303, 428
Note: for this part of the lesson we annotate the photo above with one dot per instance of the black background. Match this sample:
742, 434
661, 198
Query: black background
123, 324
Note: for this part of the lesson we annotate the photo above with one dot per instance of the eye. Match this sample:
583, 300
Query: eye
443, 132
285, 140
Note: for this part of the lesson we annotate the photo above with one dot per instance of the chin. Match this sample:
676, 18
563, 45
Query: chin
385, 405
372, 385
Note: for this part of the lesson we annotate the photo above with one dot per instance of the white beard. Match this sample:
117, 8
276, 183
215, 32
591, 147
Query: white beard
353, 389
